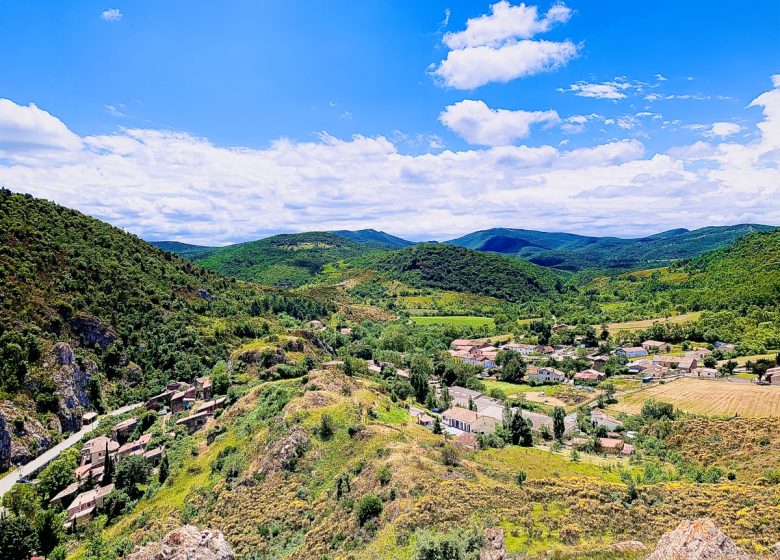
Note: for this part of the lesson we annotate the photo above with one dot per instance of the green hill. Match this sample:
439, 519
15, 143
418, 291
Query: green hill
286, 261
184, 250
372, 237
446, 267
567, 251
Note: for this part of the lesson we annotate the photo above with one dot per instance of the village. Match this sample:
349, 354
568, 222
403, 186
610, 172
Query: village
100, 456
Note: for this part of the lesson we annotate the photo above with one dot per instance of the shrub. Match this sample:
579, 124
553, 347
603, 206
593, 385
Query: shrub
327, 426
520, 477
450, 455
368, 508
384, 475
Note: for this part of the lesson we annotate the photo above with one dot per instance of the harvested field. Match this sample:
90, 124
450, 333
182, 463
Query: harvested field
647, 323
710, 398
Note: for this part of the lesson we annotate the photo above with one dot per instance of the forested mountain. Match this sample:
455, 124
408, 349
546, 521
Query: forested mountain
286, 260
185, 250
447, 267
375, 238
566, 251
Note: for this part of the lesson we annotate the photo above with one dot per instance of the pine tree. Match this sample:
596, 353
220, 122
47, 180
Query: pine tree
437, 425
558, 422
162, 474
108, 468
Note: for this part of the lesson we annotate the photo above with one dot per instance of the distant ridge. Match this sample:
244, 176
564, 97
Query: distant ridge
373, 237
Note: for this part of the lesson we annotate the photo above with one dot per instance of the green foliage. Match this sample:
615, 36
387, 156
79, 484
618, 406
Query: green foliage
558, 416
18, 539
327, 426
57, 475
368, 507
447, 267
116, 504
49, 529
450, 455
132, 472
457, 544
220, 378
520, 431
520, 477
421, 369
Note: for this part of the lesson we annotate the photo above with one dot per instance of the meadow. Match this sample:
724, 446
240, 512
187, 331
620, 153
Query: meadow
459, 320
709, 398
647, 323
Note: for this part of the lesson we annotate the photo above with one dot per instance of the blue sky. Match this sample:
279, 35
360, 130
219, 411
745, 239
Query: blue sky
219, 122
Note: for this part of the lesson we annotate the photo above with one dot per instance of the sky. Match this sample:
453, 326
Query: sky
220, 122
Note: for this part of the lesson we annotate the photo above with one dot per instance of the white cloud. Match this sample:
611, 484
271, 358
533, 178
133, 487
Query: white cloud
477, 123
607, 90
506, 23
30, 134
497, 47
660, 77
112, 14
163, 184
723, 129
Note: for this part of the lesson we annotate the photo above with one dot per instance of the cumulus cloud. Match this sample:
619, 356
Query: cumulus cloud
477, 123
498, 47
111, 15
722, 129
30, 133
163, 184
615, 89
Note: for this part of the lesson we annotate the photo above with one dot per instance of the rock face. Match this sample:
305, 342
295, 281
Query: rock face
187, 543
93, 330
700, 539
284, 453
493, 548
70, 380
5, 444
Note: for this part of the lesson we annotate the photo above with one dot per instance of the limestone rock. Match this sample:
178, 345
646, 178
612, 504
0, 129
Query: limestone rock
285, 452
93, 330
493, 548
700, 539
187, 543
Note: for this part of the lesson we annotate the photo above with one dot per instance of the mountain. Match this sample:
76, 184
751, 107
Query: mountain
378, 239
287, 260
184, 250
567, 251
458, 269
93, 317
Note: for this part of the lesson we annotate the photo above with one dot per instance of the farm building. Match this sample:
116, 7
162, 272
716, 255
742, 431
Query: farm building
459, 418
545, 375
631, 352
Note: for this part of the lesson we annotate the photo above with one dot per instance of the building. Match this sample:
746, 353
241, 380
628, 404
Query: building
599, 362
194, 422
124, 428
88, 417
631, 352
154, 456
705, 373
467, 442
523, 349
545, 375
459, 418
601, 418
685, 364
772, 376
203, 387
134, 447
65, 495
83, 506
616, 446
484, 425
656, 346
589, 376
93, 452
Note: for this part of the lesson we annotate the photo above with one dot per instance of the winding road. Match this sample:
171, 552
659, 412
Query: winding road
7, 482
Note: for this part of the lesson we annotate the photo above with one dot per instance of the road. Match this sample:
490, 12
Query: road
45, 458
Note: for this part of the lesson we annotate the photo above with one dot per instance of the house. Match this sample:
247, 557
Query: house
616, 446
699, 353
544, 349
194, 422
686, 364
545, 375
523, 349
461, 396
66, 493
403, 374
88, 417
83, 506
93, 452
589, 376
484, 425
124, 428
182, 399
631, 352
154, 456
203, 387
317, 325
654, 371
705, 372
656, 346
373, 367
459, 418
560, 327
601, 418
467, 442
426, 420
134, 447
772, 376
599, 362
157, 401
725, 347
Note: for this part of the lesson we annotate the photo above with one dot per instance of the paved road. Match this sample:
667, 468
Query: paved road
45, 458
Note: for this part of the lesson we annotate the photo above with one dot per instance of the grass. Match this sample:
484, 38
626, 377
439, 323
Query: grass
709, 398
770, 355
522, 388
459, 320
647, 323
541, 464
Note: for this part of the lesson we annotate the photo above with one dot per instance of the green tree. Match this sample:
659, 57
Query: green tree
115, 504
327, 426
445, 400
367, 508
18, 540
50, 530
520, 431
220, 378
164, 470
559, 414
421, 368
437, 425
22, 500
57, 475
132, 472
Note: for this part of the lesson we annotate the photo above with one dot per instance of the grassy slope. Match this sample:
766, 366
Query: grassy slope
296, 515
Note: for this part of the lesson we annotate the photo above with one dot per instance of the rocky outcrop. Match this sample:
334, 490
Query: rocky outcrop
93, 330
70, 380
316, 341
700, 539
266, 358
5, 444
628, 546
187, 543
284, 453
493, 548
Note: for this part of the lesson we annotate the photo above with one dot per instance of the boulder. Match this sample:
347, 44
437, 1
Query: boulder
493, 548
187, 543
699, 539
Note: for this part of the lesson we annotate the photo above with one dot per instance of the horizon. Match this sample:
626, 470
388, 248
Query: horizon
451, 117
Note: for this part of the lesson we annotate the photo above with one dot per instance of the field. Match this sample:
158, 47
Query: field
710, 398
460, 320
647, 323
770, 355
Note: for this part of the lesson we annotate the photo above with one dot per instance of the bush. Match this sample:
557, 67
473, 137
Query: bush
520, 477
327, 426
384, 475
450, 455
368, 508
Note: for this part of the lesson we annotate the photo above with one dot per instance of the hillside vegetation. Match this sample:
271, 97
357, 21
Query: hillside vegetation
446, 267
